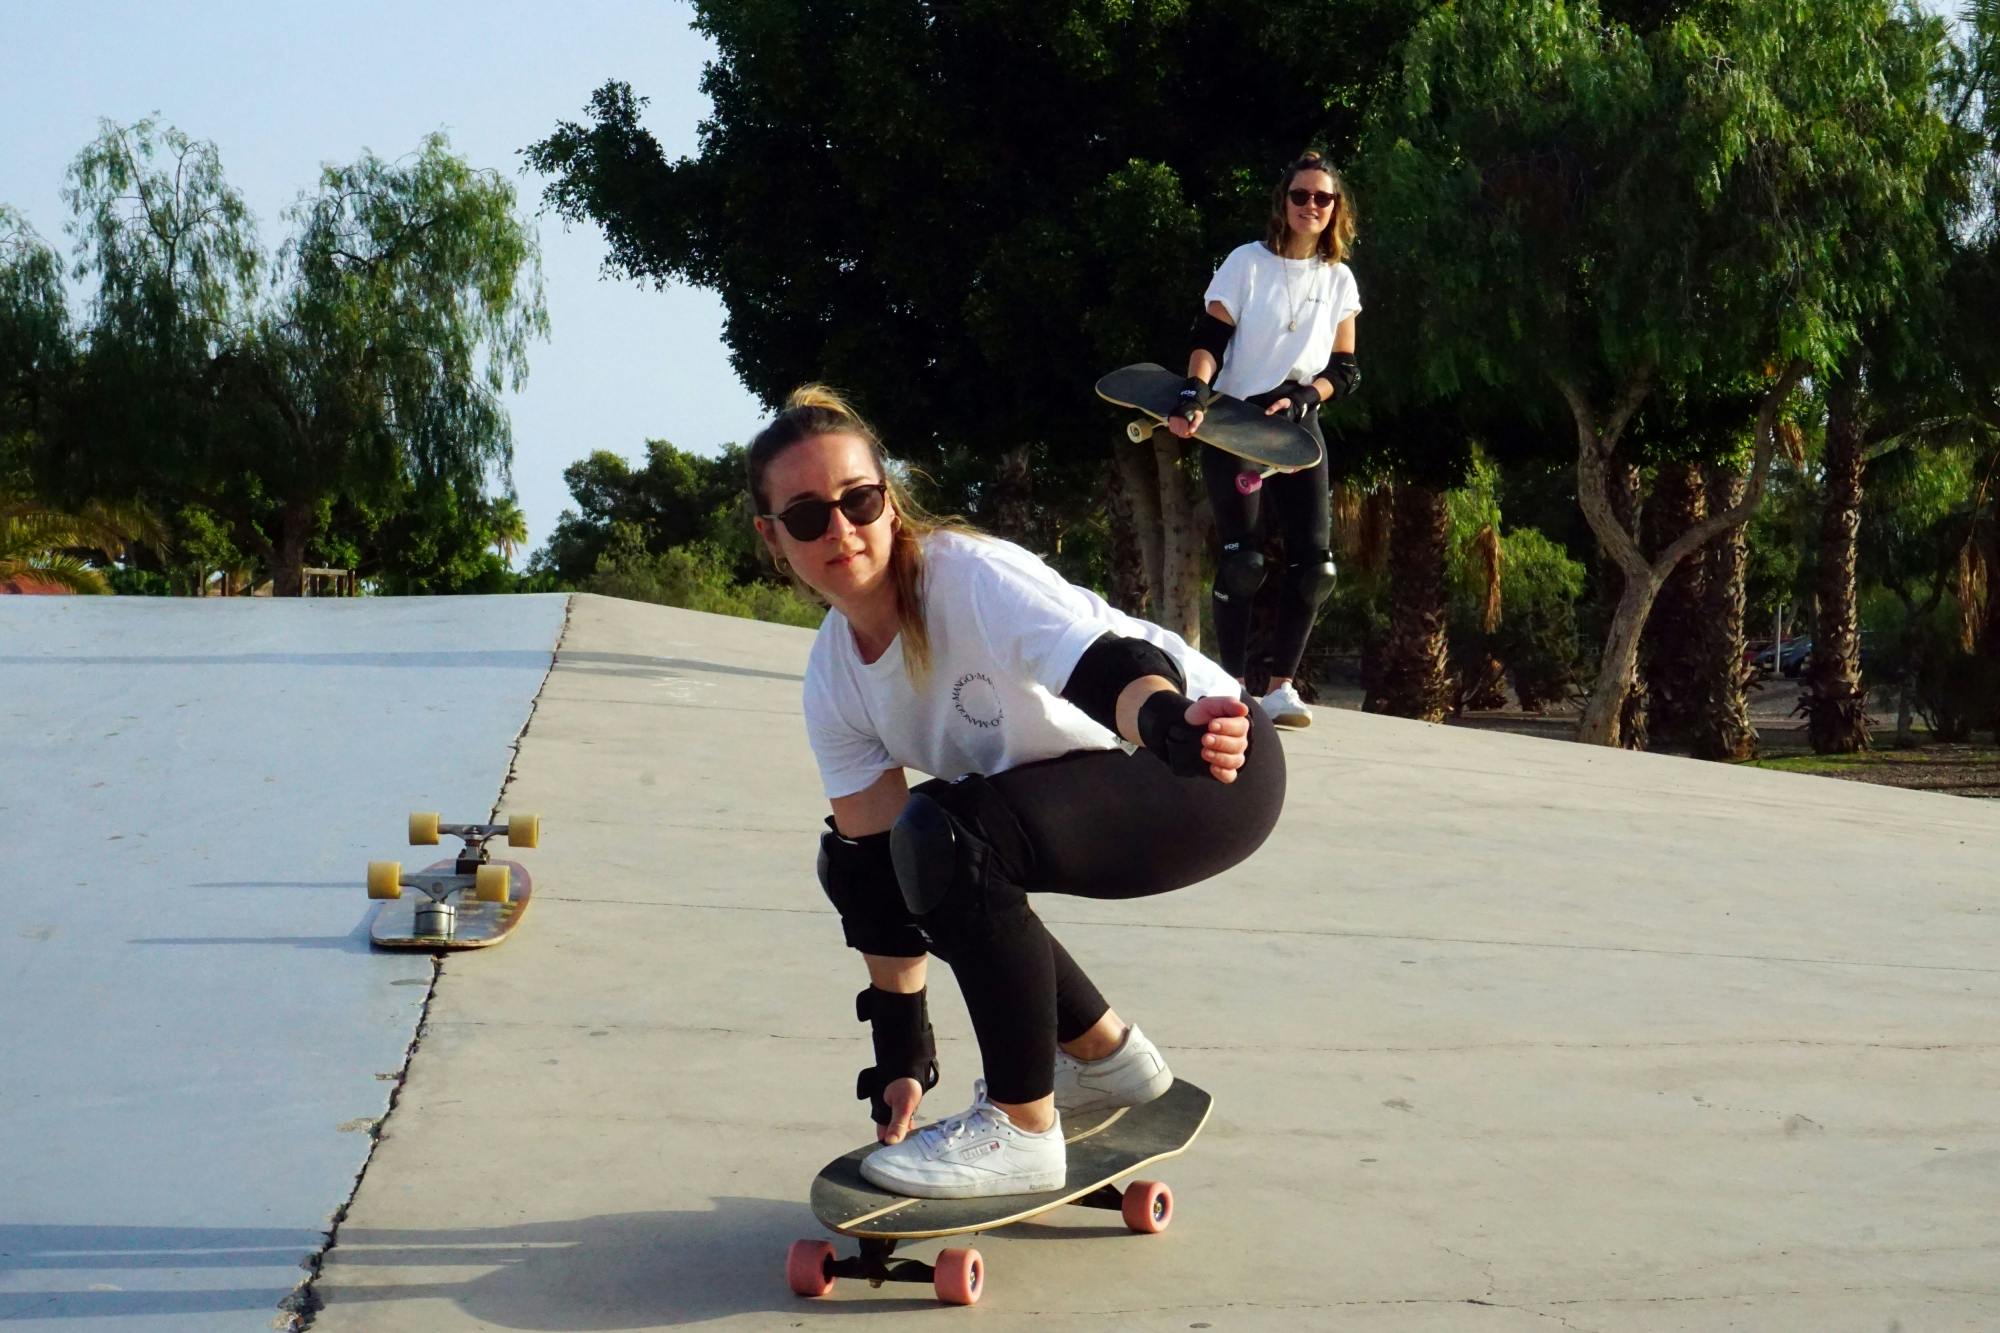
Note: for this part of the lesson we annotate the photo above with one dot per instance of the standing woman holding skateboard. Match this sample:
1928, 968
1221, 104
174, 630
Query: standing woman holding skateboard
1279, 324
1073, 750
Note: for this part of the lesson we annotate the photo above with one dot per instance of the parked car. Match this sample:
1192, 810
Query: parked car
1791, 660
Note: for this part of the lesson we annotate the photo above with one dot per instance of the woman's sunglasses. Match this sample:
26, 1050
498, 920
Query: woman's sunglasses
1320, 197
807, 520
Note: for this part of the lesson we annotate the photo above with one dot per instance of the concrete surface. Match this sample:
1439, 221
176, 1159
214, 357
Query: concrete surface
197, 1040
1504, 1034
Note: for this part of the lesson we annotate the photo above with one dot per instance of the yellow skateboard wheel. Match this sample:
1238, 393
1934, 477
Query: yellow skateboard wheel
385, 879
423, 829
524, 830
492, 884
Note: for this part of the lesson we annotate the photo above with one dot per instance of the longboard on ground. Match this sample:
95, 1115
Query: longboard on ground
467, 902
1102, 1149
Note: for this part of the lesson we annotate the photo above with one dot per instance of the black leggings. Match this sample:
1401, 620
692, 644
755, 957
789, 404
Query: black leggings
1299, 499
1094, 824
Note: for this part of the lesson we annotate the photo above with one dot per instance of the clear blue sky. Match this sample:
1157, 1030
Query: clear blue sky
281, 89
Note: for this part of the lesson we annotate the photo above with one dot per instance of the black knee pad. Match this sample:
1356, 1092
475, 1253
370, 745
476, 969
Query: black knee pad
1239, 573
945, 861
1310, 582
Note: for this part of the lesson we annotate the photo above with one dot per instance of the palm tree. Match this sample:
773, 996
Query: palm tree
39, 540
510, 526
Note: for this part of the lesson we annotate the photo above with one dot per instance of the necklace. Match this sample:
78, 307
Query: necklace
1291, 297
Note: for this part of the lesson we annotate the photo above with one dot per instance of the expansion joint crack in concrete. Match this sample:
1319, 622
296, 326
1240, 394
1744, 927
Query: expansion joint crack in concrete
304, 1303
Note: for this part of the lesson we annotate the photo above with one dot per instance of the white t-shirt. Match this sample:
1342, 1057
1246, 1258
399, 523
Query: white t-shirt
1265, 294
1005, 633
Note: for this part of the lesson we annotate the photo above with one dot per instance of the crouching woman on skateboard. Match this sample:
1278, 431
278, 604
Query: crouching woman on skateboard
966, 657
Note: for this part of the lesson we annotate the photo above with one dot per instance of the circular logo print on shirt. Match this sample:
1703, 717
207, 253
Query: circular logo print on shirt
976, 700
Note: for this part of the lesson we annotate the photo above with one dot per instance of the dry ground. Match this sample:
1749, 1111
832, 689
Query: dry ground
1954, 768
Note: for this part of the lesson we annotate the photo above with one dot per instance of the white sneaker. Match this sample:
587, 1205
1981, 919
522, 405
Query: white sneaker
1286, 708
971, 1155
1132, 1075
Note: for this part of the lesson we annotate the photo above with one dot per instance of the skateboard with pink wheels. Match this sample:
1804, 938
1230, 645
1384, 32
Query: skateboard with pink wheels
1102, 1149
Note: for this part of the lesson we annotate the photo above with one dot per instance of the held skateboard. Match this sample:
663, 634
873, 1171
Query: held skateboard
1102, 1147
1271, 443
467, 902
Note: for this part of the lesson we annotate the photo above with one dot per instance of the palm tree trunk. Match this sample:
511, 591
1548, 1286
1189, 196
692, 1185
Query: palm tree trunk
1670, 649
1833, 699
1014, 495
1128, 564
1413, 678
1181, 542
1721, 726
288, 575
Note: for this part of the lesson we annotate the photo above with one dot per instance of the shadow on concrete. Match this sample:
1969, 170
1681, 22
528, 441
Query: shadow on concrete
618, 1271
512, 659
355, 941
641, 666
108, 1251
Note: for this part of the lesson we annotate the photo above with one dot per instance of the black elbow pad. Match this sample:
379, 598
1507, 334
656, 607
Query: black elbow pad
1343, 372
1211, 335
1108, 666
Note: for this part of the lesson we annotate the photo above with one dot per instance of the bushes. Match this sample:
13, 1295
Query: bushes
697, 577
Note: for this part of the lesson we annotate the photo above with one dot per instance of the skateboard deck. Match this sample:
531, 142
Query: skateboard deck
1230, 424
469, 901
477, 925
1102, 1148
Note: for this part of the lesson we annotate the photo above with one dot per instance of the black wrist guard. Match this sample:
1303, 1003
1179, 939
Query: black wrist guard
1164, 730
1193, 398
1305, 399
904, 1046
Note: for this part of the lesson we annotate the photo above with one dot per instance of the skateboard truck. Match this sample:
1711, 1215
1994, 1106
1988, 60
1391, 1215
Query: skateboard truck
959, 1275
1248, 480
471, 873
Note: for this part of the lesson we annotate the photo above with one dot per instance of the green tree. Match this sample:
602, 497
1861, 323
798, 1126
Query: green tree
1669, 209
966, 252
676, 499
399, 311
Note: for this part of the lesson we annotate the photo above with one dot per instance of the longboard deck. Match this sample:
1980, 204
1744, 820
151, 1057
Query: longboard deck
1101, 1148
1230, 424
479, 924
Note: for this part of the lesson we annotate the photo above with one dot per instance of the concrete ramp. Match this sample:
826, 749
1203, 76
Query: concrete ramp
198, 1042
1503, 1033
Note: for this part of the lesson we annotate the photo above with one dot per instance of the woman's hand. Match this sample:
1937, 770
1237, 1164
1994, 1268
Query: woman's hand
903, 1096
1184, 427
1225, 739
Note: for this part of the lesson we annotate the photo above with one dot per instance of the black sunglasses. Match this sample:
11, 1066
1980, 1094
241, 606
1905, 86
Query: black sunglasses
808, 519
1320, 197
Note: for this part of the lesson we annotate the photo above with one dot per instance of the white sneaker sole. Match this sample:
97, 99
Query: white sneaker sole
985, 1187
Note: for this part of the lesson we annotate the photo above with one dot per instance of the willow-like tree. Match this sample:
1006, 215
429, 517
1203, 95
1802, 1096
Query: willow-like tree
367, 379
